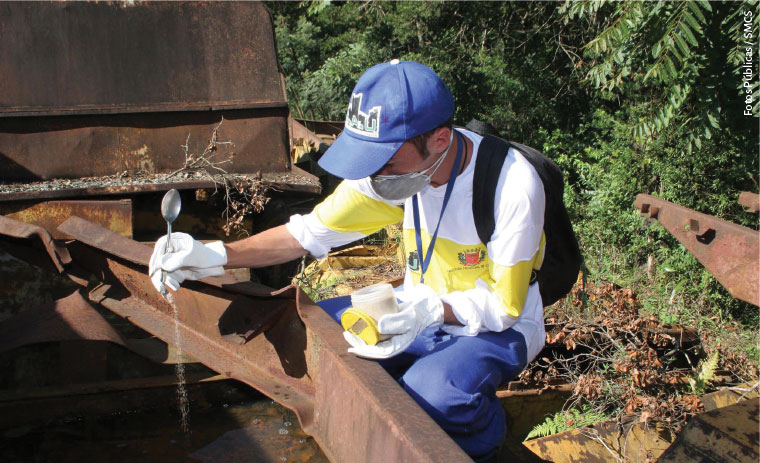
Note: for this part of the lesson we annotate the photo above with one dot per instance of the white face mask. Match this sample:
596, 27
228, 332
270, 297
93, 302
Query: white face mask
398, 187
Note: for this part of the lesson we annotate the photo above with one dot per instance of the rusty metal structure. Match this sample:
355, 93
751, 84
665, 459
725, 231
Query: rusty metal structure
727, 250
278, 342
79, 101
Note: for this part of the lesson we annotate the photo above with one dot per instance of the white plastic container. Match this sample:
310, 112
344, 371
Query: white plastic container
368, 305
376, 300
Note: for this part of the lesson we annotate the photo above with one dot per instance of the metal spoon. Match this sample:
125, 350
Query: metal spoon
170, 206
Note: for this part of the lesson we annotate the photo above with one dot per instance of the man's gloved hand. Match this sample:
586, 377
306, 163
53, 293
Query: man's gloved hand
421, 307
189, 259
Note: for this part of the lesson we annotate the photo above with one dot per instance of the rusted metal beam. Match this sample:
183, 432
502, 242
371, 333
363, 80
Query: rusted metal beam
140, 144
68, 319
727, 250
294, 180
352, 407
115, 215
28, 278
13, 228
72, 321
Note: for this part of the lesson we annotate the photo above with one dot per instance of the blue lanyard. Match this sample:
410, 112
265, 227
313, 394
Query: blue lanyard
416, 211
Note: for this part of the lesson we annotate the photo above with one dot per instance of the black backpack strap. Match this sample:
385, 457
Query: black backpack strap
481, 128
491, 155
562, 256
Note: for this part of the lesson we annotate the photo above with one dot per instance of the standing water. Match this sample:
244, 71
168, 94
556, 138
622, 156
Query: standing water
232, 423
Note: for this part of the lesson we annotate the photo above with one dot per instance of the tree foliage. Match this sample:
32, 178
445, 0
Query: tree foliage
505, 62
682, 57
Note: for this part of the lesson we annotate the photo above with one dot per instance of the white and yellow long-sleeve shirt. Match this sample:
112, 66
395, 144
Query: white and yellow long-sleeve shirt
488, 287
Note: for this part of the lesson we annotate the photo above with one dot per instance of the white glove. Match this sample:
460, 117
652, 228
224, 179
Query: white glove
189, 259
422, 308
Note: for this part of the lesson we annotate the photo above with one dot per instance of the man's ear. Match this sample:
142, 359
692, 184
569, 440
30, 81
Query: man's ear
440, 139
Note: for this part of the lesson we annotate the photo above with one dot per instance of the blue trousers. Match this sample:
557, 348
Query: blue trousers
454, 379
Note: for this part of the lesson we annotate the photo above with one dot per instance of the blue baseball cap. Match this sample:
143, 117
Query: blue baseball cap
391, 103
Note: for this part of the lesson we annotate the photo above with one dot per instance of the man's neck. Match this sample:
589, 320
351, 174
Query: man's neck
443, 173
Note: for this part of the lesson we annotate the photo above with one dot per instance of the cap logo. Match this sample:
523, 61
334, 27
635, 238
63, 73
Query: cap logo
357, 121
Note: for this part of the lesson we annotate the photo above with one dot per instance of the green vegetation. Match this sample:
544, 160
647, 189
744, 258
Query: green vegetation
316, 290
705, 375
628, 97
566, 420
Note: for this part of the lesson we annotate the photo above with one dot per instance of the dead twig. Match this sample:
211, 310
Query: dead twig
745, 390
243, 195
593, 434
206, 159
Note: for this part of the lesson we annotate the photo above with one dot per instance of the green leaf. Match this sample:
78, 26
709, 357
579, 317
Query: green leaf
657, 49
694, 7
705, 4
674, 51
670, 67
316, 6
619, 56
692, 22
688, 34
705, 374
566, 420
653, 72
682, 45
713, 121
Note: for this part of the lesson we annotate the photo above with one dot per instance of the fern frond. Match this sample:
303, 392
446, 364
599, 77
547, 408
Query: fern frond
547, 428
705, 375
566, 420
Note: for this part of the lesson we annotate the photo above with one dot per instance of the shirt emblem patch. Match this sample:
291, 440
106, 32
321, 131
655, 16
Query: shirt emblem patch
472, 257
357, 121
